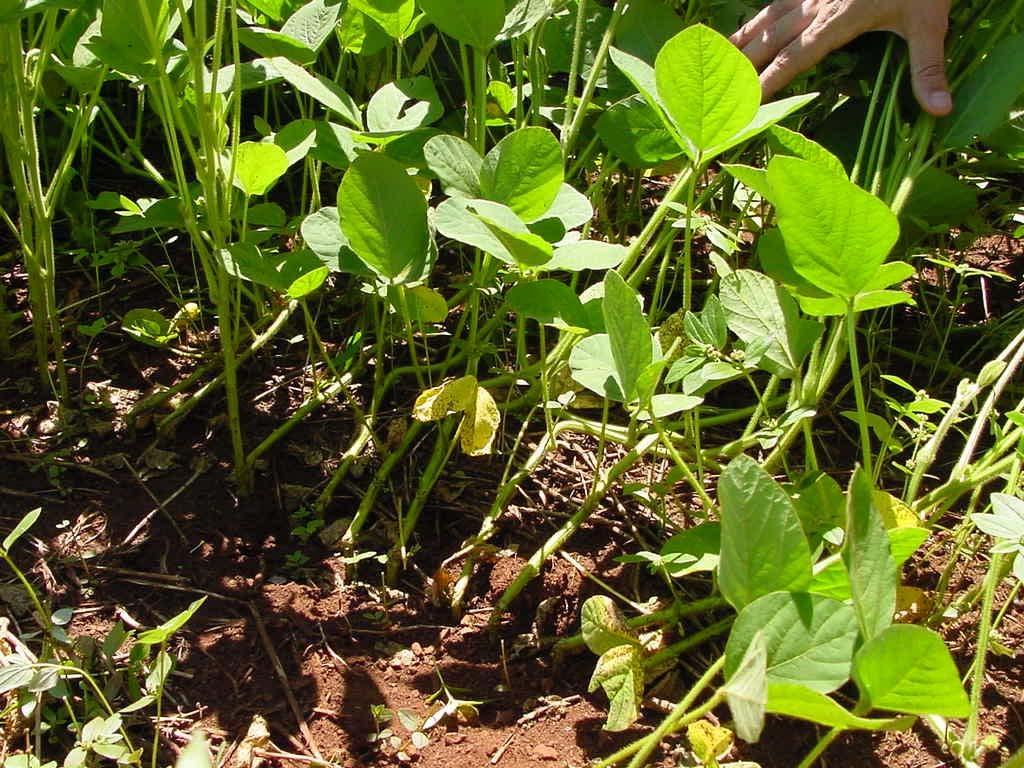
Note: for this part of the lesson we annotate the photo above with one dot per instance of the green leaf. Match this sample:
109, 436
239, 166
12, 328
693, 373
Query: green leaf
758, 310
314, 22
708, 87
787, 142
984, 101
767, 115
592, 365
746, 693
524, 171
527, 249
693, 550
909, 669
809, 639
523, 16
587, 254
149, 327
868, 558
571, 209
551, 302
476, 24
359, 34
403, 105
603, 625
456, 163
258, 166
321, 231
794, 700
308, 283
270, 43
427, 305
163, 633
21, 528
628, 333
384, 215
763, 545
620, 673
319, 88
837, 235
395, 17
1005, 522
635, 133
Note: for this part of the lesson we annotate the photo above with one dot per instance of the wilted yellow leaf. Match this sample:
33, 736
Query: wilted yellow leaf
708, 741
428, 306
480, 424
894, 512
453, 396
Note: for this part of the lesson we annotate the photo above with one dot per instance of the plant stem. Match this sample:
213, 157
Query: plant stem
858, 388
824, 743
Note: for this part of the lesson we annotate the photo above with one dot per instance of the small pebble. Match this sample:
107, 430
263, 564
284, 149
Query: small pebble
545, 752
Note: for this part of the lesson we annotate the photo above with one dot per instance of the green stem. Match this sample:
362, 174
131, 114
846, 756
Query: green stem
858, 388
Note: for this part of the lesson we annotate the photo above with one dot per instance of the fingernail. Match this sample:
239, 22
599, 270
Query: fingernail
940, 102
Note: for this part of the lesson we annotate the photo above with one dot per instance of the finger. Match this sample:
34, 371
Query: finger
770, 41
826, 34
928, 68
765, 20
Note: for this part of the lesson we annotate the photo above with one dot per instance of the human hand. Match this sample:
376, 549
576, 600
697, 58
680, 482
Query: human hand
791, 36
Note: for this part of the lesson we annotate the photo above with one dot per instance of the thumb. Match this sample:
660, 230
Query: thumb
928, 69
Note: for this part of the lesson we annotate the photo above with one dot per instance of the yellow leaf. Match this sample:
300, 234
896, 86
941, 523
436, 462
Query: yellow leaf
708, 741
480, 425
913, 605
894, 512
454, 396
428, 306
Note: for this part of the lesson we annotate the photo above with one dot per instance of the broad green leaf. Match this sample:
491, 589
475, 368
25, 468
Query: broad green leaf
763, 546
587, 254
635, 132
645, 28
909, 669
477, 24
16, 674
527, 249
427, 305
746, 693
456, 163
125, 43
758, 310
384, 215
453, 396
671, 404
786, 142
620, 673
571, 209
258, 166
149, 327
1005, 522
454, 219
270, 43
603, 625
551, 302
592, 365
809, 639
359, 34
837, 235
524, 16
767, 115
708, 87
755, 179
794, 700
321, 231
868, 559
833, 581
524, 171
308, 283
403, 105
644, 79
314, 22
628, 333
395, 17
319, 88
984, 101
20, 529
693, 550
939, 198
163, 633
